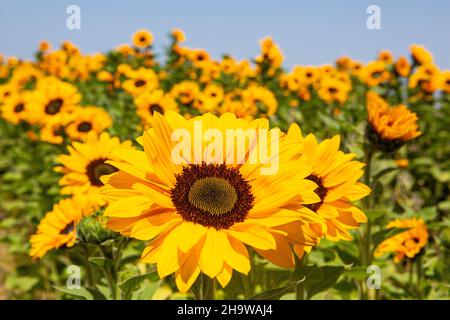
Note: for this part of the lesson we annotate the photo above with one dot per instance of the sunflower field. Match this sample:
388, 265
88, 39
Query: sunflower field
93, 205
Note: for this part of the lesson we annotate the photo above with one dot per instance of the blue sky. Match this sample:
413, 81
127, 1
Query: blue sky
313, 32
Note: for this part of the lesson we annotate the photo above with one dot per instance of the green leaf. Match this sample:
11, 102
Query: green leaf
318, 279
375, 214
83, 293
358, 273
346, 257
444, 205
127, 286
275, 294
21, 283
101, 262
147, 292
382, 235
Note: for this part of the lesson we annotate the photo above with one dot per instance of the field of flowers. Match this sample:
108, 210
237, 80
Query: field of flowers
92, 205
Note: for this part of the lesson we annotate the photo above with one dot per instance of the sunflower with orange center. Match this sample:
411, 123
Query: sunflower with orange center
86, 163
336, 175
406, 244
58, 227
200, 214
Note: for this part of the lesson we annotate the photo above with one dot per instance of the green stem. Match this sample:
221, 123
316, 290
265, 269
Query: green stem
365, 246
300, 288
89, 273
207, 288
419, 276
110, 278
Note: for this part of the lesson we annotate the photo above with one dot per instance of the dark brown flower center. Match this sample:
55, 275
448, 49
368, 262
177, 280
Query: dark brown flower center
155, 108
376, 74
19, 108
68, 229
212, 195
84, 126
139, 83
54, 106
97, 168
321, 191
332, 90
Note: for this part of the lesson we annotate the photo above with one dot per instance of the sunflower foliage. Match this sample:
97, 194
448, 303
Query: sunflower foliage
93, 207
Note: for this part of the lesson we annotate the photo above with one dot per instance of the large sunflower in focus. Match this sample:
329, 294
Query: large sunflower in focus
336, 176
200, 215
58, 227
86, 163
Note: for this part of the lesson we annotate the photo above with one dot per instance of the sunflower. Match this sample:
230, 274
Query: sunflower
53, 97
140, 81
445, 81
185, 92
44, 46
178, 35
406, 244
427, 77
402, 67
148, 103
86, 163
53, 130
386, 56
7, 90
142, 38
87, 119
15, 108
336, 176
270, 54
420, 55
332, 89
199, 56
25, 76
204, 103
58, 227
260, 99
200, 215
390, 127
215, 92
374, 73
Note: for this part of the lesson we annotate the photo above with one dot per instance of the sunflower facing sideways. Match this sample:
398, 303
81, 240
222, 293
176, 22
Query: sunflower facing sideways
86, 163
336, 176
58, 227
200, 215
390, 127
406, 244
